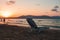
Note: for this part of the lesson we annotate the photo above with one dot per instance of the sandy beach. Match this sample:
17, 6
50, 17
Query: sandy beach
8, 32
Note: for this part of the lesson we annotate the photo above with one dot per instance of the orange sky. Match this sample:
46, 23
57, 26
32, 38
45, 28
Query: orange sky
17, 11
30, 7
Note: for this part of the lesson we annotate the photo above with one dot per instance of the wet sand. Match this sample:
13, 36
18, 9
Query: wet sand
8, 32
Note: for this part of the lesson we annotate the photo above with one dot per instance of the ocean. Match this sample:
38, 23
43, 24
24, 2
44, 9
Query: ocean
39, 22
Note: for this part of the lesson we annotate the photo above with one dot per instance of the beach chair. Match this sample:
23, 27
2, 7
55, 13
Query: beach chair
34, 26
31, 23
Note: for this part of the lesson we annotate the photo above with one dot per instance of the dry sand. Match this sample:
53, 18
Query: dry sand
8, 32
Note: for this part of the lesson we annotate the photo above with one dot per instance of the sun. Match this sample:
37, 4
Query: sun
6, 14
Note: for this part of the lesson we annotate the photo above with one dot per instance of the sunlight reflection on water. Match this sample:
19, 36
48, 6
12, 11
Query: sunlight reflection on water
39, 22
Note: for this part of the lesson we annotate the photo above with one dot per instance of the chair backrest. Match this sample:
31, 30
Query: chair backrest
31, 23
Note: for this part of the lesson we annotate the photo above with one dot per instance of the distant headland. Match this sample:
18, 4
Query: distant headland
40, 17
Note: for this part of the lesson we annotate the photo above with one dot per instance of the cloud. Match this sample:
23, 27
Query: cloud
10, 2
56, 9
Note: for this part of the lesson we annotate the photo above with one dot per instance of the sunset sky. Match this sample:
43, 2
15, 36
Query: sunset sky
30, 7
